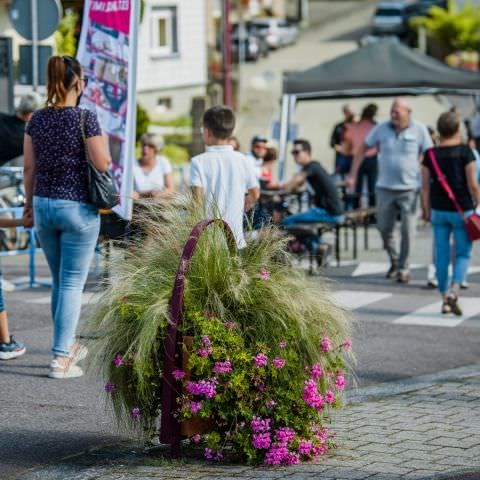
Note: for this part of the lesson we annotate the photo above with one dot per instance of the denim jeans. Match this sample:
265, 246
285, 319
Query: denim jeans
369, 171
68, 232
312, 215
445, 224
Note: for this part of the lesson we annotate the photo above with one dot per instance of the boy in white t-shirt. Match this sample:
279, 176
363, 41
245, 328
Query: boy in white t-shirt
222, 178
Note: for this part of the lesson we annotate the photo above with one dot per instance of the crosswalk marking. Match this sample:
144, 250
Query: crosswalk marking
88, 298
370, 268
430, 315
352, 299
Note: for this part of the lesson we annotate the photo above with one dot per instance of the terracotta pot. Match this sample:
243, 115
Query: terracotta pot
194, 425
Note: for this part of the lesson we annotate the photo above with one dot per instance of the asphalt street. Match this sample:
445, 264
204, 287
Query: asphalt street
398, 331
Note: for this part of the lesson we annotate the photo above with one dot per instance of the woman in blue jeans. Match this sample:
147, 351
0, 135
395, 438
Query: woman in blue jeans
56, 185
457, 163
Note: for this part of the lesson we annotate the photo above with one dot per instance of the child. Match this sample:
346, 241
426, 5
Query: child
221, 176
9, 347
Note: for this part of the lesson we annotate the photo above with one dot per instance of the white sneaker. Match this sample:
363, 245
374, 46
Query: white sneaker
60, 372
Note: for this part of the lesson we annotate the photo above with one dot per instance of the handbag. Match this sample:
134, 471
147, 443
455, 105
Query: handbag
102, 191
472, 222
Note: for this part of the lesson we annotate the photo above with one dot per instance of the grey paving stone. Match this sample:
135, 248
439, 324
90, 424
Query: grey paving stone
449, 441
411, 445
381, 448
454, 452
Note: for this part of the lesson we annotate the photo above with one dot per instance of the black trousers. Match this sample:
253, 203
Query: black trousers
368, 170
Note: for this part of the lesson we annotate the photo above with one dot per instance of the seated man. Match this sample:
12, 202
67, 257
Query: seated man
327, 204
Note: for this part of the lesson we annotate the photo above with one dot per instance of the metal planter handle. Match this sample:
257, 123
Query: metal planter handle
169, 424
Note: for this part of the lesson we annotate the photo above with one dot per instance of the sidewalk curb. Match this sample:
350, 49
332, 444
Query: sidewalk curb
389, 389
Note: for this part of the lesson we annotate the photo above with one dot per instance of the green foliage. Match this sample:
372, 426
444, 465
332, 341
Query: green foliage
175, 153
454, 29
65, 34
180, 121
246, 302
143, 121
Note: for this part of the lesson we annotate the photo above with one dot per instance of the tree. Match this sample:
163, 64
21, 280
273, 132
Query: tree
453, 29
143, 121
65, 40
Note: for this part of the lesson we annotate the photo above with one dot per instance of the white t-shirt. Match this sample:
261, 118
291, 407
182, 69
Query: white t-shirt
153, 180
225, 176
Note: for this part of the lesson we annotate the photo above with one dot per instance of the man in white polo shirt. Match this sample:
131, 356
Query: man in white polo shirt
401, 143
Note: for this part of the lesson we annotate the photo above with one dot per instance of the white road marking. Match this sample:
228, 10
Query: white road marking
430, 314
370, 268
353, 299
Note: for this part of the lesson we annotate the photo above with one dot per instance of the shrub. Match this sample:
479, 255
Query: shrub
268, 357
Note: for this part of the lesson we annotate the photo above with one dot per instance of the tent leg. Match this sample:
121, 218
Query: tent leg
283, 141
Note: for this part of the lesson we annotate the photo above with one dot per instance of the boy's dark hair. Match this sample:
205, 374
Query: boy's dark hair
305, 144
220, 120
448, 124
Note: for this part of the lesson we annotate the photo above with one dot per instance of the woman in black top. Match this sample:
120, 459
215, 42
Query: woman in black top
457, 163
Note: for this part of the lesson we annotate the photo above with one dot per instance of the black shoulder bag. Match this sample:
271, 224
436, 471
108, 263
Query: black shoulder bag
102, 191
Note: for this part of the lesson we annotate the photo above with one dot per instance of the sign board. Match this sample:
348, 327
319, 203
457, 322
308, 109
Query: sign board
26, 64
108, 54
47, 19
6, 75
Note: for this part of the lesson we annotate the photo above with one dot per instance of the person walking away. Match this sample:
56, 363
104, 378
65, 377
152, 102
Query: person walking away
457, 165
327, 204
56, 184
9, 346
343, 160
401, 142
152, 173
223, 180
12, 130
354, 138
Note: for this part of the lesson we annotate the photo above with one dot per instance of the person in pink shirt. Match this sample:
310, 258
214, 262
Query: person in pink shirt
354, 138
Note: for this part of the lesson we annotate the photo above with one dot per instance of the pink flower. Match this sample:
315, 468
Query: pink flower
311, 396
347, 344
326, 344
329, 397
204, 352
206, 341
340, 382
271, 404
316, 372
118, 360
211, 455
305, 447
278, 362
230, 325
284, 436
260, 425
282, 344
178, 374
197, 438
261, 360
222, 367
135, 412
277, 455
264, 273
261, 440
110, 387
207, 388
195, 406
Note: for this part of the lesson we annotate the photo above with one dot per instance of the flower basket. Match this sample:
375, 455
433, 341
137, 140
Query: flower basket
246, 355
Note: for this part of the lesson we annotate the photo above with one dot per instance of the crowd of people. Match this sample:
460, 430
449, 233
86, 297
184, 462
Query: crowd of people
390, 156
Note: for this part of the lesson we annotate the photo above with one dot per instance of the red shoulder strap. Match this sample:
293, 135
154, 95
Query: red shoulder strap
443, 181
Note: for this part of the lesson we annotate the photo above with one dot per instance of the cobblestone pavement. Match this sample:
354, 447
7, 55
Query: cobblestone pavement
428, 428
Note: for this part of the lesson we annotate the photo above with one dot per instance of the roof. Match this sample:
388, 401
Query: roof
383, 68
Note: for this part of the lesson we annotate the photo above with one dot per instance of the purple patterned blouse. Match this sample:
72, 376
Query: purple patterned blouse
60, 163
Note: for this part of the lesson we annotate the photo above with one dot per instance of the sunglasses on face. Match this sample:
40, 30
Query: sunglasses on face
296, 152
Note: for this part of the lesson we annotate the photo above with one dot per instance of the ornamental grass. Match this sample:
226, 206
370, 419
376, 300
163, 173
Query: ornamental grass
270, 347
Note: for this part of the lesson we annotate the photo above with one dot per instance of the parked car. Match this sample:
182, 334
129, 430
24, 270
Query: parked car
277, 31
245, 47
392, 18
251, 34
425, 5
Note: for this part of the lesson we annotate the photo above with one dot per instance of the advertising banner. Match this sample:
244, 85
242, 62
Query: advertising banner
108, 54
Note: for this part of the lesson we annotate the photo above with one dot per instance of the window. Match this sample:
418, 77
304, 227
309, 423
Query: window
163, 33
164, 104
